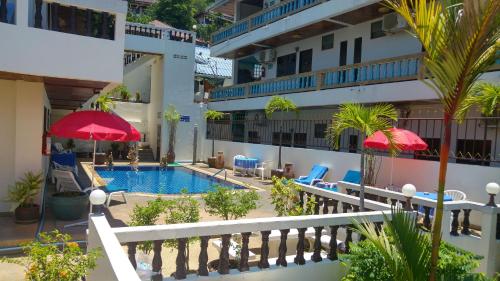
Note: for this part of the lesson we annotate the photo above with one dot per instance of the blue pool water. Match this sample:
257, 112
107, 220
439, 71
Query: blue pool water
159, 180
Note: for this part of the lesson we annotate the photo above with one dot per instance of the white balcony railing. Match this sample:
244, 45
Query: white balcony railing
282, 240
152, 31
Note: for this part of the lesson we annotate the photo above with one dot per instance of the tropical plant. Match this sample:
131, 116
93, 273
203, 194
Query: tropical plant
23, 192
184, 209
286, 201
120, 91
485, 95
400, 251
147, 215
367, 120
228, 203
54, 257
461, 42
281, 105
105, 102
213, 115
172, 117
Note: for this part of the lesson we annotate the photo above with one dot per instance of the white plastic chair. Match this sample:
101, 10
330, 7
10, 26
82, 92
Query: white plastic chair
262, 167
456, 195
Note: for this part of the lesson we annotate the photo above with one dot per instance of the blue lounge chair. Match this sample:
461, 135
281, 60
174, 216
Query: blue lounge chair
351, 176
317, 173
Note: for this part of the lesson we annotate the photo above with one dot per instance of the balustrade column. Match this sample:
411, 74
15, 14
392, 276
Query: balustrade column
316, 257
466, 222
348, 238
427, 217
301, 197
180, 261
245, 237
264, 251
316, 205
335, 206
332, 253
281, 261
223, 267
454, 223
157, 261
203, 257
326, 202
299, 257
132, 249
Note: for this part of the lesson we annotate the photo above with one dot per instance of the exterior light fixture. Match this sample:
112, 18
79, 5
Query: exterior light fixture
492, 188
409, 192
97, 198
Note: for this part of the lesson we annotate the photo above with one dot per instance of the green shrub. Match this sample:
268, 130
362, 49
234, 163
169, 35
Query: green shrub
47, 261
286, 201
230, 204
147, 215
24, 191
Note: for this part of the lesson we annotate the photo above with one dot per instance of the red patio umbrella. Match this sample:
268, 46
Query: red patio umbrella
95, 125
404, 139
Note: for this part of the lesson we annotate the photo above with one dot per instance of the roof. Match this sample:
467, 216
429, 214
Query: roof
212, 66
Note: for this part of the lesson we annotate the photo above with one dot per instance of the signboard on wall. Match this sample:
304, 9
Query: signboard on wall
185, 118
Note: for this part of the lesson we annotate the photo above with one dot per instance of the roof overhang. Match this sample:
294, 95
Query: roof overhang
225, 7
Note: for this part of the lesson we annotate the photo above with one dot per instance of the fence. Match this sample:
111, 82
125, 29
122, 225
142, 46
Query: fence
474, 141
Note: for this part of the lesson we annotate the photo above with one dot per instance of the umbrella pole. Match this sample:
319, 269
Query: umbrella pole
93, 166
392, 168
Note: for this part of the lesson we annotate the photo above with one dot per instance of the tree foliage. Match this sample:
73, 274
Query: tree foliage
279, 104
105, 102
286, 201
230, 204
485, 95
177, 13
213, 115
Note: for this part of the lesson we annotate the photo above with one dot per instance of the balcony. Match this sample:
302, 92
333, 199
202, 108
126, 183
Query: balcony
282, 241
151, 31
368, 73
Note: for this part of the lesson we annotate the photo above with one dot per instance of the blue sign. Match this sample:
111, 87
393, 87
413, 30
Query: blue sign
185, 118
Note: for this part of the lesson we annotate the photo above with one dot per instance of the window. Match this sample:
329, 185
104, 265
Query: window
305, 61
286, 65
327, 42
319, 131
343, 53
353, 143
253, 137
376, 30
285, 141
475, 152
300, 140
432, 152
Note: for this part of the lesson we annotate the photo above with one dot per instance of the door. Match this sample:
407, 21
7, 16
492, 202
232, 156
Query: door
343, 61
358, 42
305, 61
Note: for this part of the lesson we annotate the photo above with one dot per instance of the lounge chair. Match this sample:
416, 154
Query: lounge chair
351, 176
317, 173
66, 180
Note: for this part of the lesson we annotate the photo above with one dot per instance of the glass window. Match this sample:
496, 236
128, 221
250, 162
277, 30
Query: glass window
286, 65
319, 131
327, 42
376, 30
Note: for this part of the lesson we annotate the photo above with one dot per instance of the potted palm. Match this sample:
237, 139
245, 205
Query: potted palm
172, 117
461, 42
213, 115
22, 194
367, 120
281, 105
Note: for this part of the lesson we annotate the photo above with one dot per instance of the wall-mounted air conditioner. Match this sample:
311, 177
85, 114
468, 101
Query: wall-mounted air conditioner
393, 23
267, 56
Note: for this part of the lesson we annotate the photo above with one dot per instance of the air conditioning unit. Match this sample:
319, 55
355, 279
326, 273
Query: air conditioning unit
267, 56
393, 23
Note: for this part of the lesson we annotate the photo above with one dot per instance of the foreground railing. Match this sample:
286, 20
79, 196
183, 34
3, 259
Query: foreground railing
373, 72
266, 16
147, 30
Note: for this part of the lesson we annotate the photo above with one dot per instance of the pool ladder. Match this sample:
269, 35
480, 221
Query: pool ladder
220, 171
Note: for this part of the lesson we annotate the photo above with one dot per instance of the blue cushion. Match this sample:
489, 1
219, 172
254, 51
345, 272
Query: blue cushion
352, 177
317, 172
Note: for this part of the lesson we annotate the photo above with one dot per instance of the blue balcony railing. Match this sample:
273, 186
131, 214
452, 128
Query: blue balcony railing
374, 72
264, 17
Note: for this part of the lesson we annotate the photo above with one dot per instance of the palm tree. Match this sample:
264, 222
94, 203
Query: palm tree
104, 102
459, 38
281, 105
485, 95
213, 115
172, 117
367, 120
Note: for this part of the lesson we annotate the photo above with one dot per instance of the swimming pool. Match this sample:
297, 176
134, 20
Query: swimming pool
156, 180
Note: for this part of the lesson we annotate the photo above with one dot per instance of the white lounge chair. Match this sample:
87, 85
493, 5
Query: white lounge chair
65, 180
456, 195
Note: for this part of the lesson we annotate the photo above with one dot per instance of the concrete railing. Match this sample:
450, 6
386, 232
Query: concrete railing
115, 265
152, 31
373, 72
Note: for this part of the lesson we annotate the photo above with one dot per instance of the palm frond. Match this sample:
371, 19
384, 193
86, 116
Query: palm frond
279, 104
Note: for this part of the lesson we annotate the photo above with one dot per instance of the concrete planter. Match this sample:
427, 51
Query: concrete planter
69, 206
